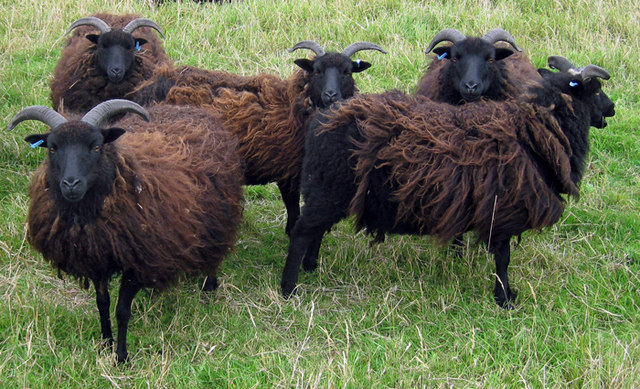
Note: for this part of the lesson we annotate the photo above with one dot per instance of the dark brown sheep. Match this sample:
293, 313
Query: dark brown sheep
84, 75
266, 113
162, 201
408, 165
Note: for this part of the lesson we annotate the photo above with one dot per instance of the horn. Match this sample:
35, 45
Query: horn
311, 45
141, 22
560, 63
103, 111
90, 21
448, 34
590, 71
497, 35
358, 46
38, 112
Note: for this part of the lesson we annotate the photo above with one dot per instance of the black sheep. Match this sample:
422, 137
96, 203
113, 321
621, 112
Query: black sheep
408, 165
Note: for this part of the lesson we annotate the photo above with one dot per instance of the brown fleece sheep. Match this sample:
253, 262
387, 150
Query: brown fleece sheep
78, 83
162, 201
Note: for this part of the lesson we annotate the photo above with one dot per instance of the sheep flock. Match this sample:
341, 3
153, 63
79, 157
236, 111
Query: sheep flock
486, 143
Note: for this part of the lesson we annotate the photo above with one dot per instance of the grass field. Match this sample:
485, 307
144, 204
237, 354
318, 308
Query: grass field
397, 315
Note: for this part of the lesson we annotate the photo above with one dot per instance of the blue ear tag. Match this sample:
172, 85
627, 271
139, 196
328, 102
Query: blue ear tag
358, 62
138, 45
441, 57
573, 84
36, 144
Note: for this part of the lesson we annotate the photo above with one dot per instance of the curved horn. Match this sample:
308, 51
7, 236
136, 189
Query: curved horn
448, 34
311, 45
590, 71
38, 112
90, 21
561, 63
103, 111
358, 46
497, 35
141, 22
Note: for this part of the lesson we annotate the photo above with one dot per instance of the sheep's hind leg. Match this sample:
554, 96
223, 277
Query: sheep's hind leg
128, 289
291, 198
502, 293
310, 261
210, 283
103, 302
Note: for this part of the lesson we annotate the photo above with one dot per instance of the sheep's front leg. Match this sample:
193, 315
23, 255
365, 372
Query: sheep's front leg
502, 293
310, 261
103, 302
298, 246
128, 289
290, 192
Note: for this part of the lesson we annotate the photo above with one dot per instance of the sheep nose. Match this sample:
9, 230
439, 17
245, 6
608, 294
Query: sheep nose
331, 95
71, 183
115, 72
471, 86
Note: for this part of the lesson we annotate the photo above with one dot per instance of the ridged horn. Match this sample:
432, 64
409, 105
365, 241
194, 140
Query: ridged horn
497, 35
38, 112
359, 46
90, 21
448, 34
590, 71
141, 22
310, 45
560, 63
103, 111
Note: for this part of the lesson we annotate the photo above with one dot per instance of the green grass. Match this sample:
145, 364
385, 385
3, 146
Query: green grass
399, 314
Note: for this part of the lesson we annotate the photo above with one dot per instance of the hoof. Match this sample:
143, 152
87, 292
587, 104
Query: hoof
287, 290
210, 284
506, 301
310, 266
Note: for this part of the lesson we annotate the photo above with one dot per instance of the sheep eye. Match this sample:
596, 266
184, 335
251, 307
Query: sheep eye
454, 59
52, 150
97, 148
490, 60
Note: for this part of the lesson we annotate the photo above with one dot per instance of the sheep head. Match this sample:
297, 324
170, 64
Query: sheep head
115, 48
473, 61
582, 84
330, 73
75, 147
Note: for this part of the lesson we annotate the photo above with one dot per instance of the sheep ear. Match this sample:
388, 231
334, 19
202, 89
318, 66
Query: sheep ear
502, 53
443, 51
544, 72
111, 134
37, 140
305, 64
93, 38
359, 66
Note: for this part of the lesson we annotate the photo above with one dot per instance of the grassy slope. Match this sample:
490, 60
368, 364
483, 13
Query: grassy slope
399, 314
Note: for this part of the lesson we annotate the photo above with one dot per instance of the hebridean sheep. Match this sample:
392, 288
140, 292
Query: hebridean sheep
266, 113
162, 201
408, 165
473, 67
106, 57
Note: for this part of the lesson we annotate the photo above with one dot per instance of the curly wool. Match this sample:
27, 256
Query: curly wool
173, 207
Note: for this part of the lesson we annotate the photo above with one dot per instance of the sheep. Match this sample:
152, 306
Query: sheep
266, 113
473, 67
405, 164
95, 67
164, 200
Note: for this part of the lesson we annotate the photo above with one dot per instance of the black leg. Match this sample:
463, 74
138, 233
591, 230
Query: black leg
291, 198
502, 293
128, 290
210, 283
298, 246
310, 261
103, 301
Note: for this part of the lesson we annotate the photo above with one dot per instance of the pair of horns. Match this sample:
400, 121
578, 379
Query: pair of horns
455, 36
96, 117
347, 52
104, 27
588, 72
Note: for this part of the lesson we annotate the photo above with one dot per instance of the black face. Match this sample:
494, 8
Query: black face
473, 62
115, 51
75, 151
590, 92
330, 77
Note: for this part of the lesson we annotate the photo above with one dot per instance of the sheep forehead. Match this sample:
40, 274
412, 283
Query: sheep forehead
75, 132
332, 59
473, 46
117, 37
